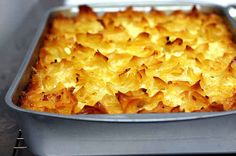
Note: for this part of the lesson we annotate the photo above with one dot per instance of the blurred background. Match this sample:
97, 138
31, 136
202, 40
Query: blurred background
18, 23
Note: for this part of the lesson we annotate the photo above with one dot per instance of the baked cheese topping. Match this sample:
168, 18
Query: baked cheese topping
134, 62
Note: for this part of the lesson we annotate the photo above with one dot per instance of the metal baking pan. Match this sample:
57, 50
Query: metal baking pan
55, 134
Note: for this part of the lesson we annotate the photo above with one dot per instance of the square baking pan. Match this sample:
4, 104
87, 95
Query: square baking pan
55, 134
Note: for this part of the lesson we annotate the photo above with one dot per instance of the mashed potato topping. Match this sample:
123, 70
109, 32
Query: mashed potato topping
134, 62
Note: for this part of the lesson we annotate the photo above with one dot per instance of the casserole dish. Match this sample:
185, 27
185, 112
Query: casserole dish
54, 134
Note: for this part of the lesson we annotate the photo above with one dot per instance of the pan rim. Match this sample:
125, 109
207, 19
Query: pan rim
127, 118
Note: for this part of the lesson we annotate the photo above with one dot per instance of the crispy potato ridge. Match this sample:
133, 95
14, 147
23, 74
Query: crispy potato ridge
134, 62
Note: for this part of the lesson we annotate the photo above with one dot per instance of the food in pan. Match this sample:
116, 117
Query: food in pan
134, 62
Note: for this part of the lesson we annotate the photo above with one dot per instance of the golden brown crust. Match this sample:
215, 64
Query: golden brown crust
134, 62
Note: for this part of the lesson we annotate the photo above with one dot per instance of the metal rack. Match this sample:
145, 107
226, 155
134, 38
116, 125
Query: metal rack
20, 148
